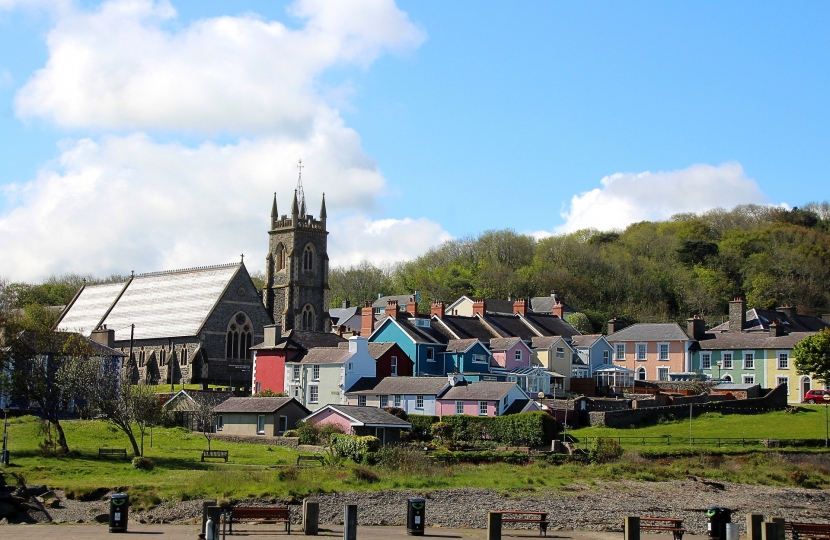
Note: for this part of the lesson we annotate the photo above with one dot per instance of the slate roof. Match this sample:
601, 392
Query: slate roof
758, 320
483, 390
544, 304
296, 340
198, 396
496, 305
585, 340
379, 348
460, 345
502, 344
401, 298
516, 407
464, 328
743, 340
367, 416
552, 325
428, 386
161, 304
544, 342
650, 332
418, 333
55, 340
326, 355
341, 315
253, 404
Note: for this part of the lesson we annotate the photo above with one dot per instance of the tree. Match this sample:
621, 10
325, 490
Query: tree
205, 418
124, 404
580, 322
812, 356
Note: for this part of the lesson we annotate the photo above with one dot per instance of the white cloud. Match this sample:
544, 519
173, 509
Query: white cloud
120, 68
626, 198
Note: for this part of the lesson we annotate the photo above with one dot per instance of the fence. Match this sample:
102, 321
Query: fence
673, 440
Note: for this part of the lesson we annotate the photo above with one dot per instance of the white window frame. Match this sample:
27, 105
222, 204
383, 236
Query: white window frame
459, 407
606, 357
749, 360
641, 348
397, 401
748, 379
220, 423
315, 372
313, 394
724, 360
384, 401
295, 372
518, 355
480, 358
258, 387
560, 352
641, 370
785, 380
662, 374
361, 400
482, 408
393, 369
619, 351
260, 424
785, 356
430, 354
419, 402
705, 360
660, 347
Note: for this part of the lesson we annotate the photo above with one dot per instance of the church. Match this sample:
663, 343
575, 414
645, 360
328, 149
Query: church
198, 325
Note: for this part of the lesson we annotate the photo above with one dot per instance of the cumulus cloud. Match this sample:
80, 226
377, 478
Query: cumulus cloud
626, 198
131, 200
120, 68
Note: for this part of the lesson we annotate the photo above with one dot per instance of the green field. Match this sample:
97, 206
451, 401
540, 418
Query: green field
257, 470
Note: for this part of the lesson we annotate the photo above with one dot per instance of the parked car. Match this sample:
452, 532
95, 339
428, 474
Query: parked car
815, 396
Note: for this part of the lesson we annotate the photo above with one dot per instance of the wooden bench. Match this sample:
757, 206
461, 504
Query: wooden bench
672, 525
218, 454
117, 452
807, 530
260, 514
521, 516
307, 461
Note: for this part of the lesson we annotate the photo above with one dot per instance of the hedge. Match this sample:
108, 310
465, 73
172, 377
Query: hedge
421, 426
353, 446
525, 429
474, 457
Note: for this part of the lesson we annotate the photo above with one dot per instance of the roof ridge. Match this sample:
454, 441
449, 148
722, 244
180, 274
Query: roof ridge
181, 270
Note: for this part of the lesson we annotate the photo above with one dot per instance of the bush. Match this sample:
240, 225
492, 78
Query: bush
395, 411
476, 458
143, 464
291, 433
364, 474
605, 450
308, 433
288, 474
421, 426
442, 431
353, 447
406, 459
525, 429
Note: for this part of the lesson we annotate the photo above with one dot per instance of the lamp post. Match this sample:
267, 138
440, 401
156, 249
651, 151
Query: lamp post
4, 458
826, 424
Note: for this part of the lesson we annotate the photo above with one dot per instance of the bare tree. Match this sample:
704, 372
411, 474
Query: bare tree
126, 405
205, 418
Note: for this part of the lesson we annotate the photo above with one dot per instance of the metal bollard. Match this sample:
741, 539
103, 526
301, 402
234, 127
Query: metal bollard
494, 526
205, 504
632, 528
350, 522
733, 531
311, 517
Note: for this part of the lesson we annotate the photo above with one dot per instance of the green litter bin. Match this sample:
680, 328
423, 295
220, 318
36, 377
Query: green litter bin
119, 510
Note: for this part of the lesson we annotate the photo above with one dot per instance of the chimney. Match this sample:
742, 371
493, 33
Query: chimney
412, 306
696, 328
367, 320
104, 337
479, 307
520, 306
737, 315
392, 309
787, 310
559, 309
346, 304
615, 325
273, 334
455, 378
776, 329
437, 308
358, 344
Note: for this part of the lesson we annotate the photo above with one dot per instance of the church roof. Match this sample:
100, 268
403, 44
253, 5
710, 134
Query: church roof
160, 304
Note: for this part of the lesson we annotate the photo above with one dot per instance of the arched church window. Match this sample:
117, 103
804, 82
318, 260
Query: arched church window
308, 318
239, 337
308, 258
279, 261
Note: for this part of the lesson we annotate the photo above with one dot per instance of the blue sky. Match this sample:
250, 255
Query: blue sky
161, 129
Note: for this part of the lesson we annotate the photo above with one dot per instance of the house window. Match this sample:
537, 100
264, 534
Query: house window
727, 361
482, 408
220, 423
641, 352
308, 258
663, 374
430, 354
620, 350
315, 372
706, 360
260, 424
641, 373
518, 356
749, 360
749, 379
419, 402
239, 338
361, 401
606, 357
783, 360
459, 407
384, 402
313, 394
394, 366
397, 400
560, 352
783, 380
662, 351
480, 358
258, 387
308, 318
295, 373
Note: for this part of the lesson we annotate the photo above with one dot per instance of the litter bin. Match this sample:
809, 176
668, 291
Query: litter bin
119, 508
415, 516
716, 519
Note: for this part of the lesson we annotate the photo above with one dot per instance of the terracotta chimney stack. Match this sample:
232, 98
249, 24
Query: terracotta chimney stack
367, 320
392, 309
520, 306
479, 307
437, 308
559, 309
412, 306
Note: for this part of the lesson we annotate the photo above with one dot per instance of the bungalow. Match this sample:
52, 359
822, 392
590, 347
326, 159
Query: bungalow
183, 406
415, 395
250, 416
484, 399
361, 421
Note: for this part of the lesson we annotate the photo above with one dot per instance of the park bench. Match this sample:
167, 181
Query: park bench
521, 516
808, 530
218, 454
117, 452
260, 514
308, 461
672, 525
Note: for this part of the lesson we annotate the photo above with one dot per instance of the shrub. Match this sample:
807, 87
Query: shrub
143, 464
327, 430
396, 411
288, 474
478, 457
308, 433
406, 459
353, 447
291, 433
421, 426
605, 450
525, 429
442, 431
364, 474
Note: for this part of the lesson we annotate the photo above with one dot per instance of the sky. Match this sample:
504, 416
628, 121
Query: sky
145, 135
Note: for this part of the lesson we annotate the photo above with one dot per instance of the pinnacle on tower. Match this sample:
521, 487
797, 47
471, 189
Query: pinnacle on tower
300, 191
274, 214
295, 211
323, 208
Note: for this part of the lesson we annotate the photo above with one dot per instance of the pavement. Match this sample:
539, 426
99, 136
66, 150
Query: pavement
256, 532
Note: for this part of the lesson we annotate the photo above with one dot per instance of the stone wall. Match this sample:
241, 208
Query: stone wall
289, 442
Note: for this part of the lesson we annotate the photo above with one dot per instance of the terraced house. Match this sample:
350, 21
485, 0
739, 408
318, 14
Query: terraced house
653, 350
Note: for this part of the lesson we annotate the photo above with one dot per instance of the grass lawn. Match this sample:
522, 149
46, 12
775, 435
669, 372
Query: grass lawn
257, 470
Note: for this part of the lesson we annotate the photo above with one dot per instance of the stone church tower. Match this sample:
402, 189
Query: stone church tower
296, 292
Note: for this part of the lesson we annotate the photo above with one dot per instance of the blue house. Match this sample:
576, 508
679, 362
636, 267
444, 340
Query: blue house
466, 356
418, 340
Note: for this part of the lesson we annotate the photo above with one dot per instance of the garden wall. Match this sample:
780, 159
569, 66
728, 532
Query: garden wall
289, 442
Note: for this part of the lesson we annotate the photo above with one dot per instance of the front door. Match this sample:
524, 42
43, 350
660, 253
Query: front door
283, 424
380, 433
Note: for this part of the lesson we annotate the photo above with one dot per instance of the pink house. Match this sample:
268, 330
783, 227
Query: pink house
510, 353
358, 420
484, 398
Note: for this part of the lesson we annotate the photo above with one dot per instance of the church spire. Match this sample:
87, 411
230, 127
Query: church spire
323, 208
300, 192
274, 214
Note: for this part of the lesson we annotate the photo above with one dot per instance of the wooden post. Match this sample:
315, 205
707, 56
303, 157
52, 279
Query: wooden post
779, 527
493, 526
769, 531
632, 528
311, 517
753, 526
